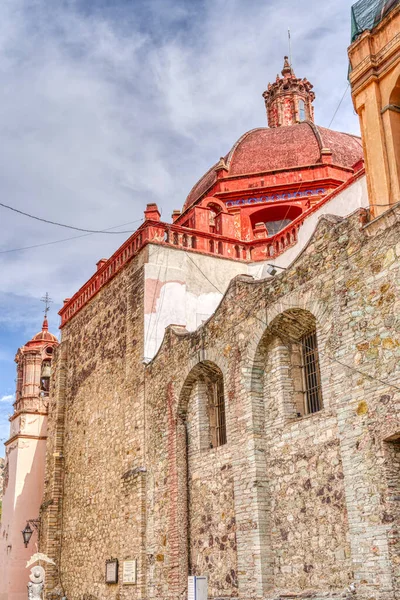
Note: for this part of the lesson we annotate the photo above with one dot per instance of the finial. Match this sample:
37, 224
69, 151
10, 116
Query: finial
47, 301
287, 69
221, 165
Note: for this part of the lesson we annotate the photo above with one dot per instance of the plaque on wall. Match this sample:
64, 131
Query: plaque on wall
129, 572
112, 570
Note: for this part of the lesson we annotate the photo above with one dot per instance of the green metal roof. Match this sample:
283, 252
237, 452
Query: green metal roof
366, 14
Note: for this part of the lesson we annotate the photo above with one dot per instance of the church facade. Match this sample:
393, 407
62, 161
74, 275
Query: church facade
224, 402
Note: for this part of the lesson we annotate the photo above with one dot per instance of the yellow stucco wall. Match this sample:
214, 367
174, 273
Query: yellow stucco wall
375, 82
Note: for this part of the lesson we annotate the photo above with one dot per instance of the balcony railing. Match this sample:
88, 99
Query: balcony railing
191, 240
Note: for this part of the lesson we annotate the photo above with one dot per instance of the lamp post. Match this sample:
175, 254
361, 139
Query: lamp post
272, 269
28, 531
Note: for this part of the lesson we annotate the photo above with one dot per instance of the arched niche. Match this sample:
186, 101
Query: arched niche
206, 481
394, 119
275, 217
284, 379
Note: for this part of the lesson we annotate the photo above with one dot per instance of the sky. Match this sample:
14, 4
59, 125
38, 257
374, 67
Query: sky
107, 105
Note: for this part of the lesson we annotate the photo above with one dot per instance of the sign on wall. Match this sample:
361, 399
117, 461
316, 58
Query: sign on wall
197, 587
129, 572
112, 570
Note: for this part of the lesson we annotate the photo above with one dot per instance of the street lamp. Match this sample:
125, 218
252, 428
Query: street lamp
28, 531
272, 269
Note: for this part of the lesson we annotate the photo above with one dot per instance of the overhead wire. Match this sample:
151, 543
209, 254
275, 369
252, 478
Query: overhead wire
21, 212
75, 237
331, 358
339, 105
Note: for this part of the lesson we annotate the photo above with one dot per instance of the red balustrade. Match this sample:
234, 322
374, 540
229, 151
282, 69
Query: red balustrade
156, 232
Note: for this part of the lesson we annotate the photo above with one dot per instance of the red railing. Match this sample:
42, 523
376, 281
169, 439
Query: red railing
263, 248
178, 237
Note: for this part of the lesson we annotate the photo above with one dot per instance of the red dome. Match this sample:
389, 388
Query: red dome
269, 149
43, 336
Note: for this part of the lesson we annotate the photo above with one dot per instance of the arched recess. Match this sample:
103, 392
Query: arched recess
206, 481
394, 118
286, 369
302, 466
273, 405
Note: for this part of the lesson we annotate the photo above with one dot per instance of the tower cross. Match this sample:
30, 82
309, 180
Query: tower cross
47, 301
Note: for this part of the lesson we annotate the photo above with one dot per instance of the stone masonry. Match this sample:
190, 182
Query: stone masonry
292, 504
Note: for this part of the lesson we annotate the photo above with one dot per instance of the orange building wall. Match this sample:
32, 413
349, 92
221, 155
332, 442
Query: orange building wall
375, 81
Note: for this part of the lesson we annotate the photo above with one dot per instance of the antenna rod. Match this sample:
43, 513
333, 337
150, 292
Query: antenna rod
47, 300
290, 49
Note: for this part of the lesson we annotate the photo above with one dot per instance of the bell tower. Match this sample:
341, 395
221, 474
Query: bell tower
289, 100
25, 461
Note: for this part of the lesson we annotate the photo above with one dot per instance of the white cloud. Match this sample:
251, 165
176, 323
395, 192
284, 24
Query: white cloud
8, 398
103, 109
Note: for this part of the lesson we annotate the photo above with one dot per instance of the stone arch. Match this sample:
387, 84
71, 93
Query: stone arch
394, 120
205, 486
214, 204
278, 355
282, 470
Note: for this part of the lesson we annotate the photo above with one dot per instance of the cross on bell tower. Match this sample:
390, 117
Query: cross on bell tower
289, 100
47, 301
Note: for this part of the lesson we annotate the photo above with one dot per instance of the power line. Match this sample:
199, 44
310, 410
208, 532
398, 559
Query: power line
75, 237
339, 105
21, 212
293, 340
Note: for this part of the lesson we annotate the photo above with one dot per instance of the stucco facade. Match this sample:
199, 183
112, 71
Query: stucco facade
375, 82
24, 469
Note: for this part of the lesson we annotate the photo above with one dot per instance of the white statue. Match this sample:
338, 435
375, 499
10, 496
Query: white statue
36, 583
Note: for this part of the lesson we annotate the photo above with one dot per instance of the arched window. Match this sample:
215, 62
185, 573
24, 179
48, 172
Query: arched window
216, 413
311, 373
45, 378
292, 382
302, 111
220, 248
207, 394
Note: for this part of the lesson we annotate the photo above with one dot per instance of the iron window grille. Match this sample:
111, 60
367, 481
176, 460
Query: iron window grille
311, 373
217, 415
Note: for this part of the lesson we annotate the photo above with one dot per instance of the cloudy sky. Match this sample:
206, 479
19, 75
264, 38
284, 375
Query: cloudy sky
108, 105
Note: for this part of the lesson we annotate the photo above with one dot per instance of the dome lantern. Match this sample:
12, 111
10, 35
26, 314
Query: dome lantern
289, 100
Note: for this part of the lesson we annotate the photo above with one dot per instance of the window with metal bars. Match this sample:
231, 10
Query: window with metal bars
217, 414
311, 373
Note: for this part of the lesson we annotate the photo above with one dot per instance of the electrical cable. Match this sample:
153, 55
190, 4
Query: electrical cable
308, 348
339, 105
21, 212
76, 237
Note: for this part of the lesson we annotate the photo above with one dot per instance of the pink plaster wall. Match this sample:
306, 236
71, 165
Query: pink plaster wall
22, 500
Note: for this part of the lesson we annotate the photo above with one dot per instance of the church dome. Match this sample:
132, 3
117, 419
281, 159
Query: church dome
44, 335
265, 149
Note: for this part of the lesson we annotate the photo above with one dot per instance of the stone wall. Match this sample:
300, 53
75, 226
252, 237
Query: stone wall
93, 490
293, 503
314, 496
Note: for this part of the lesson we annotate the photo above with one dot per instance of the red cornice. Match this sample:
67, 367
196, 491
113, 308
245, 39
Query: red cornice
157, 232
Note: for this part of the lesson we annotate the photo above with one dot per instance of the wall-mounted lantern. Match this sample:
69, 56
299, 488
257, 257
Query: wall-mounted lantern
28, 531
